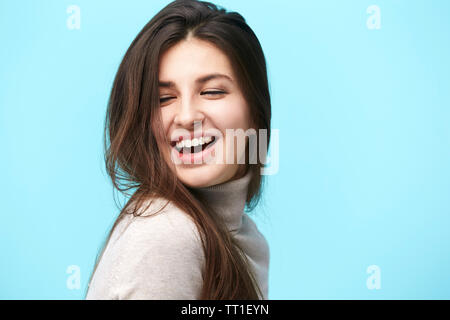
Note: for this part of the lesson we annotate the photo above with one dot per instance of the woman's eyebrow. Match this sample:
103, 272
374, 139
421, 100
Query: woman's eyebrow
213, 76
201, 80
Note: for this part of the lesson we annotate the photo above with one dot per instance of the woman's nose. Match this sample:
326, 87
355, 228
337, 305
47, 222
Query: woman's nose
187, 113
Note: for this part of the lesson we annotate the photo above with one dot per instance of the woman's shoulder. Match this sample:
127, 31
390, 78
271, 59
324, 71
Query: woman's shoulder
149, 256
155, 236
159, 220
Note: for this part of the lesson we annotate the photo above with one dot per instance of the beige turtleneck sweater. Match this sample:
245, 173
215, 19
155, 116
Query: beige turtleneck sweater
161, 256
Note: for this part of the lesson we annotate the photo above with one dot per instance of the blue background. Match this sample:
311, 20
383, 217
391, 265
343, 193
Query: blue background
364, 124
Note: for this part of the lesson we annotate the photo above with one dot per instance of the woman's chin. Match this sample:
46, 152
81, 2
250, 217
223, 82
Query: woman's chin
205, 175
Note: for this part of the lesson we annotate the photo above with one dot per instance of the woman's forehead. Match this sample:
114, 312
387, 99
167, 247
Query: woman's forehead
193, 58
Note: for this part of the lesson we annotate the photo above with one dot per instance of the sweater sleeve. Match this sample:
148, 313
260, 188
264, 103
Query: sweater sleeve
156, 257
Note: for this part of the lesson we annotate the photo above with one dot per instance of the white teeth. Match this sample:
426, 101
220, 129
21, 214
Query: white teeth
194, 142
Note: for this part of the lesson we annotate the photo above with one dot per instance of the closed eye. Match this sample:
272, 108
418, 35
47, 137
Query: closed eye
162, 100
213, 92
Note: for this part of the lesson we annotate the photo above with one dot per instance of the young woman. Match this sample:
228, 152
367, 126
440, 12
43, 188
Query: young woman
184, 234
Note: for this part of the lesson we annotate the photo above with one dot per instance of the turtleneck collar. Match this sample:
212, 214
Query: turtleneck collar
228, 199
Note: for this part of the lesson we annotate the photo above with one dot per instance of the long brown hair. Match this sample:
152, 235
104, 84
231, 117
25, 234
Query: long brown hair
134, 135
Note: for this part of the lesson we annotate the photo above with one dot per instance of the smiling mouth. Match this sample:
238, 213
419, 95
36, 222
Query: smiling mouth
196, 149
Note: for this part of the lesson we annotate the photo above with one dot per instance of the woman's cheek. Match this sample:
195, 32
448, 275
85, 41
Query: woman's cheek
231, 115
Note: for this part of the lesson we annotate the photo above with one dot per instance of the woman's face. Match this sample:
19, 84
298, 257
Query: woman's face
193, 104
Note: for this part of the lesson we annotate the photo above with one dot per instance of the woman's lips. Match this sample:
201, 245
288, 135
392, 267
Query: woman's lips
186, 157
